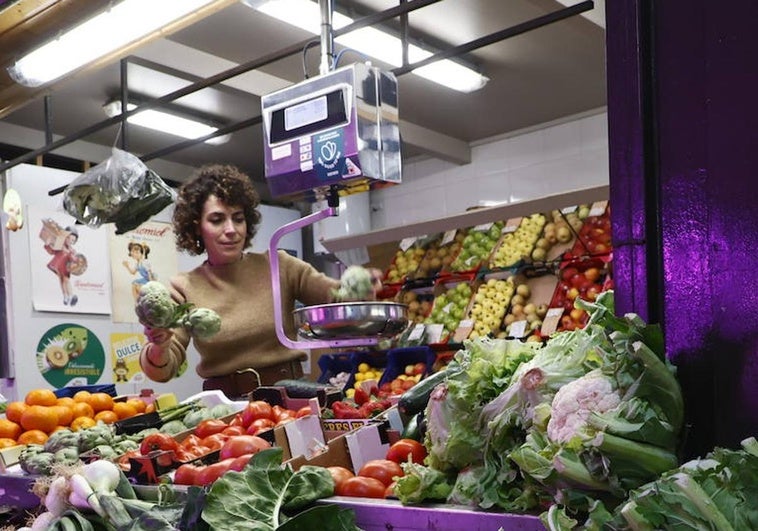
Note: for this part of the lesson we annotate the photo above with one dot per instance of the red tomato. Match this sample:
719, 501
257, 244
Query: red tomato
237, 420
363, 487
190, 441
210, 473
389, 492
403, 448
303, 412
209, 427
215, 441
157, 441
186, 475
339, 475
257, 409
259, 425
238, 463
243, 444
234, 430
382, 469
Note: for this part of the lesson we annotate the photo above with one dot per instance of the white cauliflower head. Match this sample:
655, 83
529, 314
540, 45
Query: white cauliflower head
573, 403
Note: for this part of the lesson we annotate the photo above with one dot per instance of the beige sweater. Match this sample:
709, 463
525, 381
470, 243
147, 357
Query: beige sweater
241, 294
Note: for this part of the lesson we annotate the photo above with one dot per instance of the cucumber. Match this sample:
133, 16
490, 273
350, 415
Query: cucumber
414, 400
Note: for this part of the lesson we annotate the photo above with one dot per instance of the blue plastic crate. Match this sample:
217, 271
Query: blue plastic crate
333, 364
375, 359
71, 391
398, 358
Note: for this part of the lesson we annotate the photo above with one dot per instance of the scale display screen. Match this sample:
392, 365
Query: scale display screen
307, 117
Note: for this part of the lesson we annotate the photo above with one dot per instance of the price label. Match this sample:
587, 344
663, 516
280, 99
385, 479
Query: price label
417, 332
518, 328
434, 332
551, 320
598, 208
463, 330
512, 225
406, 243
569, 210
448, 307
484, 227
448, 237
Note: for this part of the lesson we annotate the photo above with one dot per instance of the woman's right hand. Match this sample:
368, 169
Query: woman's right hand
158, 336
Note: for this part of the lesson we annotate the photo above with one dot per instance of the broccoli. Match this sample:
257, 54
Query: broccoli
156, 309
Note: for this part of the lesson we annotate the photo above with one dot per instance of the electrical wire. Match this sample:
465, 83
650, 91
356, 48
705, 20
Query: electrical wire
308, 46
341, 52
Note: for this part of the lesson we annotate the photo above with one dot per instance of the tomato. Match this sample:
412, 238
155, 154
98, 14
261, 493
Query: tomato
284, 419
186, 475
209, 427
190, 441
237, 420
280, 413
303, 412
259, 425
234, 430
210, 473
243, 444
389, 492
240, 462
215, 441
158, 442
363, 487
257, 409
403, 448
382, 469
339, 475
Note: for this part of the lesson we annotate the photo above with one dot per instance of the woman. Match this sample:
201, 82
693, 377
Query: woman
216, 213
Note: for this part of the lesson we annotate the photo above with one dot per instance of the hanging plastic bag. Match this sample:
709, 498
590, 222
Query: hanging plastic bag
120, 190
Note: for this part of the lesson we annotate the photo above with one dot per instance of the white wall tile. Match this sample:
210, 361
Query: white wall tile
593, 132
561, 141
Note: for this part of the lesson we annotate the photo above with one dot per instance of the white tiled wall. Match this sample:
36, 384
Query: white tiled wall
554, 159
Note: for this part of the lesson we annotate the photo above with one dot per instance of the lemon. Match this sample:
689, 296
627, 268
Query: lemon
363, 367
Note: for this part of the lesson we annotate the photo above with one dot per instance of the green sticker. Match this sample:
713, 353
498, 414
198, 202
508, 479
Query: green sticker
70, 355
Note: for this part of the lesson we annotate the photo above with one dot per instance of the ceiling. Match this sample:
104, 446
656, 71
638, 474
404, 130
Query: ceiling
546, 74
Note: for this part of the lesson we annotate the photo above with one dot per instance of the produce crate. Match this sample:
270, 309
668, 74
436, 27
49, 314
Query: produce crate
594, 235
71, 391
492, 295
449, 313
582, 278
516, 244
399, 358
529, 307
333, 364
407, 258
477, 247
374, 359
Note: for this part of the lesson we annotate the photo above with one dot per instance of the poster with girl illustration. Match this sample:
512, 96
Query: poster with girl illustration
68, 271
137, 257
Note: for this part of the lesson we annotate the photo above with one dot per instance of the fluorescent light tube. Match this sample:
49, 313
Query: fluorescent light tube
123, 24
375, 43
166, 123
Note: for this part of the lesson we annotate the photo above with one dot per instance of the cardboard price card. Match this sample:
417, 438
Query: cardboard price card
551, 320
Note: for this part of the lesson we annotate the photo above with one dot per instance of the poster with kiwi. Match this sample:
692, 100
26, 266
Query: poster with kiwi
70, 355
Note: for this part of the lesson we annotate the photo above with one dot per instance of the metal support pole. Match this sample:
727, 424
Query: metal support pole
124, 104
326, 8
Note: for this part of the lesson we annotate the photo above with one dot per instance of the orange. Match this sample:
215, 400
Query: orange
149, 408
66, 401
15, 410
32, 437
107, 416
41, 397
80, 423
137, 404
100, 401
41, 418
5, 442
83, 409
9, 429
82, 396
59, 428
65, 415
124, 410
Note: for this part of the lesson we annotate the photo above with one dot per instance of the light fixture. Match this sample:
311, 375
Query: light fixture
166, 122
373, 42
122, 25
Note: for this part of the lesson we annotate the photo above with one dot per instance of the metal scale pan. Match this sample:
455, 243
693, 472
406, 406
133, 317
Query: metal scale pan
351, 320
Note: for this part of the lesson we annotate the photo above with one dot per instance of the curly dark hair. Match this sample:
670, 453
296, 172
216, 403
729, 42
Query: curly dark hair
230, 186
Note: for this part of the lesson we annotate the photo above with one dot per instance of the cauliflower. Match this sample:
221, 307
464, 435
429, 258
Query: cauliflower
576, 401
355, 285
202, 322
156, 309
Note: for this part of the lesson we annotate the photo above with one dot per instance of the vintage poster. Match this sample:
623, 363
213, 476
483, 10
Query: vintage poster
137, 257
70, 355
69, 273
125, 349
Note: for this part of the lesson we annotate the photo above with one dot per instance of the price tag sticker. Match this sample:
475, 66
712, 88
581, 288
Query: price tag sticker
417, 332
551, 320
463, 330
569, 210
406, 243
512, 225
484, 227
598, 208
518, 328
448, 237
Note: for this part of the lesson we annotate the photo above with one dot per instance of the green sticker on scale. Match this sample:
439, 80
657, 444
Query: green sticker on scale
70, 355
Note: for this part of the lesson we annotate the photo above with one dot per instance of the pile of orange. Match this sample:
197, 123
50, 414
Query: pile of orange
41, 413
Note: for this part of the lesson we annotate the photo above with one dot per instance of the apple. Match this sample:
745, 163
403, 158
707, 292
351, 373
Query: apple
409, 370
419, 368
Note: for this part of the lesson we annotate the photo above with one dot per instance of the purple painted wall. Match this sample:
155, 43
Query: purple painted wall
702, 124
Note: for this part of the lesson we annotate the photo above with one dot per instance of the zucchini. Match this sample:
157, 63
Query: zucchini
302, 388
416, 428
414, 400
